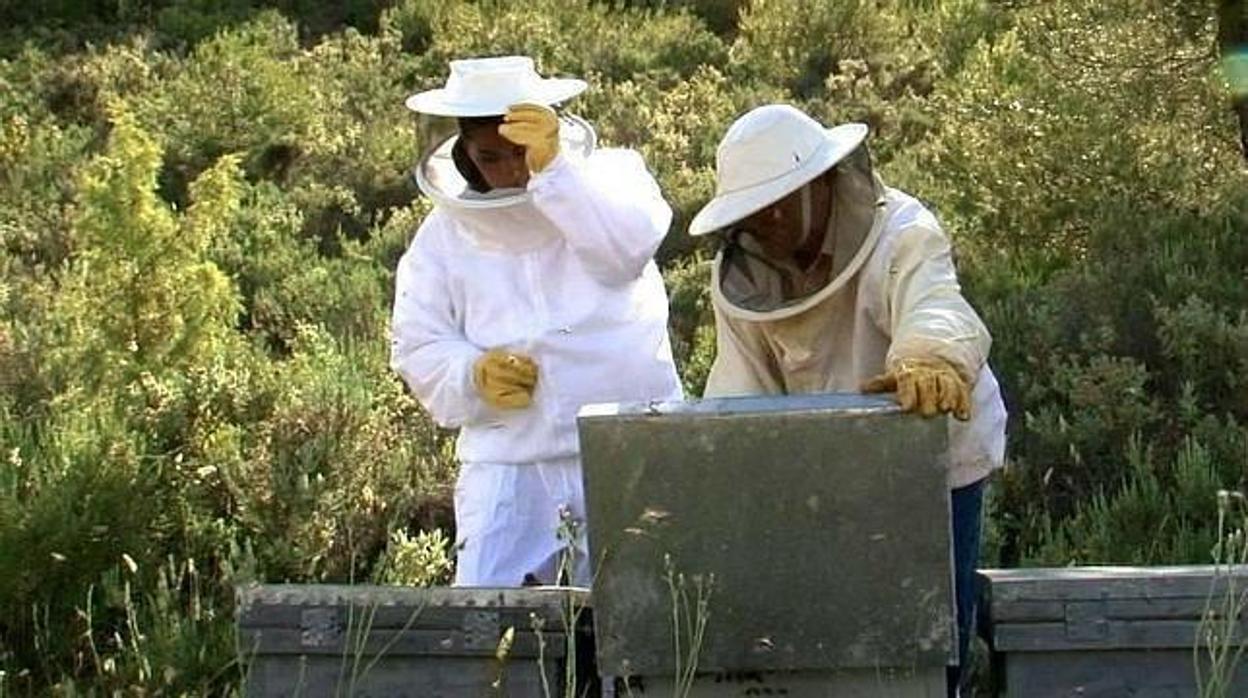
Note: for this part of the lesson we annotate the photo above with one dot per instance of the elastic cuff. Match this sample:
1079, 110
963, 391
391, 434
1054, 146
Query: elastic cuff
479, 410
537, 180
918, 351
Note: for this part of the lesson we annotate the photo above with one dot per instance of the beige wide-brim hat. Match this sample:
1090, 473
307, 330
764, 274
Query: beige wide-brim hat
767, 154
488, 86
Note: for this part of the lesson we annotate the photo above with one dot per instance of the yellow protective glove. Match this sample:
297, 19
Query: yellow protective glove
536, 127
930, 386
505, 380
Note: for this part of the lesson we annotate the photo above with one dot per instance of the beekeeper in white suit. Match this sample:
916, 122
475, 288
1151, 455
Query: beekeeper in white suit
831, 281
528, 292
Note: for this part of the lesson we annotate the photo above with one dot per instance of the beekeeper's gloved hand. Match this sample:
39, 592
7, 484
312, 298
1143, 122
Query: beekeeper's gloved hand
928, 385
536, 127
505, 380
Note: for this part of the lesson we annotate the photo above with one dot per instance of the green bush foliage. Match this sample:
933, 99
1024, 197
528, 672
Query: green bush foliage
202, 204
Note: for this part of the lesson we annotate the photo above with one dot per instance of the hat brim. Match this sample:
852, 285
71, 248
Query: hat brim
728, 208
440, 103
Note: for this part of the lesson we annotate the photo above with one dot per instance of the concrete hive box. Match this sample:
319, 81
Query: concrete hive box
1105, 632
361, 641
822, 520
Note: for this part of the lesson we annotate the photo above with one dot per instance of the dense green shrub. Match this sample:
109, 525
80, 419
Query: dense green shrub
191, 392
564, 37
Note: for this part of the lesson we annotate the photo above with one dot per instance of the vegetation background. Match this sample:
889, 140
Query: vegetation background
202, 203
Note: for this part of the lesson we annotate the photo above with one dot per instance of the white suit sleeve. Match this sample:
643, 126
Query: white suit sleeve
610, 211
428, 348
742, 361
927, 314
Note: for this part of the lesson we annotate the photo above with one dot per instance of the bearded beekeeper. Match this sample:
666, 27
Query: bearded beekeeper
828, 280
528, 292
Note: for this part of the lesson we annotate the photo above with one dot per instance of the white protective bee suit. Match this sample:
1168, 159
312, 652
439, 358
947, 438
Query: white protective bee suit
562, 273
892, 293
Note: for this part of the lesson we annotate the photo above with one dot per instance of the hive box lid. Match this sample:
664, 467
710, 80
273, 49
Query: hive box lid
822, 520
330, 619
1075, 608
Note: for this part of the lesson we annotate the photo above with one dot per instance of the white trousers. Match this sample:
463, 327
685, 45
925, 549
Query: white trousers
516, 520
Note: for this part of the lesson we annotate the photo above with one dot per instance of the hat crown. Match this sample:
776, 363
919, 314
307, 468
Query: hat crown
764, 144
489, 86
504, 79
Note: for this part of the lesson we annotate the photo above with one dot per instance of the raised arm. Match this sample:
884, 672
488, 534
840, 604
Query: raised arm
609, 210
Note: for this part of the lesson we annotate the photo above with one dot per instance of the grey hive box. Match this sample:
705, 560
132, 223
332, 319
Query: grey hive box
1104, 632
360, 641
823, 521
